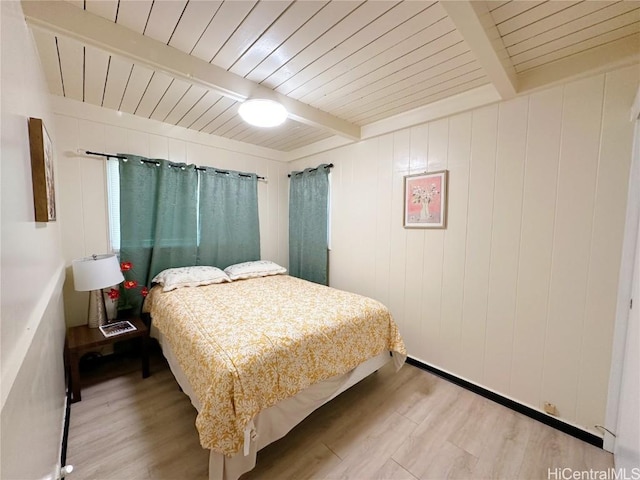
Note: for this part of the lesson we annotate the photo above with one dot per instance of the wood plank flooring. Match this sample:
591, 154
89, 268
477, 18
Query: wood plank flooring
397, 426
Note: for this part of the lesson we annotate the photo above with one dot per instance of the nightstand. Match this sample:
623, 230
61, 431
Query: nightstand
83, 339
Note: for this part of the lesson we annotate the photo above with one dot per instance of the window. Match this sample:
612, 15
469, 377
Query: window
113, 201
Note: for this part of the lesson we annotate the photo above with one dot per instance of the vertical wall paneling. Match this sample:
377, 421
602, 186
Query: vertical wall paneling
264, 215
419, 154
577, 169
283, 216
94, 191
139, 144
270, 215
69, 200
431, 308
413, 281
280, 193
363, 215
340, 181
382, 254
608, 230
178, 151
116, 137
505, 241
479, 224
398, 253
31, 267
444, 337
35, 405
534, 263
518, 293
159, 147
438, 145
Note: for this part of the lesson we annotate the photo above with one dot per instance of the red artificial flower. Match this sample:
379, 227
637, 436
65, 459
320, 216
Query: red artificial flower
144, 292
126, 266
114, 294
129, 284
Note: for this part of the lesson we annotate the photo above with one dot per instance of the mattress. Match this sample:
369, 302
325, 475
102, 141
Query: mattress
245, 346
276, 421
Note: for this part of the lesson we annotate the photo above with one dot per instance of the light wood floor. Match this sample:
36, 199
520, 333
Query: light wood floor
399, 426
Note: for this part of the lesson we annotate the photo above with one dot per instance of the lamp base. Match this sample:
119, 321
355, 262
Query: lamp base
97, 311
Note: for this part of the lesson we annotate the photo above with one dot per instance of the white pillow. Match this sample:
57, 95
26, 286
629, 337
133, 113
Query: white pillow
259, 268
173, 278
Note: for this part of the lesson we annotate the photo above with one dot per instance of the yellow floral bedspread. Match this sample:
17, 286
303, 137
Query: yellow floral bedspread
248, 344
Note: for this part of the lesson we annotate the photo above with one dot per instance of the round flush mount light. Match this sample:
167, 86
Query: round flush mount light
261, 112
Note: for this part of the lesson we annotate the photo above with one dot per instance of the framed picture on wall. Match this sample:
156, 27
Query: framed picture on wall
425, 200
44, 195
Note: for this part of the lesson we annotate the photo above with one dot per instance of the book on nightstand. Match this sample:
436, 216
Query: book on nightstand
117, 328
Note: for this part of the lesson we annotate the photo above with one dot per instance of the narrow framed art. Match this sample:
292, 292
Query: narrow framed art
425, 200
44, 195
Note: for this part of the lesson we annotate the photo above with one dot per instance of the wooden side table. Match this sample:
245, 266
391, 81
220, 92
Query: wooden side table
83, 339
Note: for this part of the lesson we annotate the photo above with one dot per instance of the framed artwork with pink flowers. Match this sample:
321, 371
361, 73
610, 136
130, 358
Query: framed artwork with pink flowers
425, 200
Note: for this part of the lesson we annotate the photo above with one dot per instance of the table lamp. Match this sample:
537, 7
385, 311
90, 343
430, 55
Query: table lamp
93, 274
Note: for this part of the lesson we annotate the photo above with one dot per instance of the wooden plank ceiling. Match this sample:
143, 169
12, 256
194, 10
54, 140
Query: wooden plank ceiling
359, 61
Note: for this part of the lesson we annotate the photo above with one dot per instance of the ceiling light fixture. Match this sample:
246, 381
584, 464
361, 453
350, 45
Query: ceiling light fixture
261, 112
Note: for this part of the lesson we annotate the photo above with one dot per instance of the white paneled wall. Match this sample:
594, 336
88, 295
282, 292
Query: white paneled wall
31, 311
82, 193
518, 294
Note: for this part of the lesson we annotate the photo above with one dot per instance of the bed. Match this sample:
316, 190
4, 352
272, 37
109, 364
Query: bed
256, 356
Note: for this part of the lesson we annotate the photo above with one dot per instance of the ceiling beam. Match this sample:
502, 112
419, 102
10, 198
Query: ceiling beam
473, 21
63, 18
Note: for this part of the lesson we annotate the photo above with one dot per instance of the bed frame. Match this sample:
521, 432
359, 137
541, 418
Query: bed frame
274, 422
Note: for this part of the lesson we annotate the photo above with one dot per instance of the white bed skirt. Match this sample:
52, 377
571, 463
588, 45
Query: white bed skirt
274, 422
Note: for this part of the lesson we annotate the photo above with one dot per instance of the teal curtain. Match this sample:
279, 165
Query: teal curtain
229, 225
158, 220
308, 224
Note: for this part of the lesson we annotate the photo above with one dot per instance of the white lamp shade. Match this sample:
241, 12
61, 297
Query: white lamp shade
96, 272
261, 112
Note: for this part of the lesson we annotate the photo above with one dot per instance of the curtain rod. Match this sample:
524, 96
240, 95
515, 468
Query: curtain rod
109, 155
312, 170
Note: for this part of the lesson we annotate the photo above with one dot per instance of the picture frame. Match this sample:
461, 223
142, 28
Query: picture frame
425, 199
44, 196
